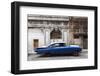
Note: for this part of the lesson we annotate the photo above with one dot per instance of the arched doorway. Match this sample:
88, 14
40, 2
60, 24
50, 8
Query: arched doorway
55, 35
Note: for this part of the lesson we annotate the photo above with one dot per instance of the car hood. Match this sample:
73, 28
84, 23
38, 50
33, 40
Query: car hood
74, 46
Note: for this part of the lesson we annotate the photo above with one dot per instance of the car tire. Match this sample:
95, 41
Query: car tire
47, 54
76, 54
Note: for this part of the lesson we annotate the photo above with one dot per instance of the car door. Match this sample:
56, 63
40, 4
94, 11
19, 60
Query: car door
54, 48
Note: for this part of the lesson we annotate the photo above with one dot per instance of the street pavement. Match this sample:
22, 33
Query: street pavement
83, 55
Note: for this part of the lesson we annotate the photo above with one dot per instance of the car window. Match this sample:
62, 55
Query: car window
56, 45
62, 44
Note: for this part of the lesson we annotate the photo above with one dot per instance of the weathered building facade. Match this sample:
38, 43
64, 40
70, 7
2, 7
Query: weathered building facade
79, 30
46, 29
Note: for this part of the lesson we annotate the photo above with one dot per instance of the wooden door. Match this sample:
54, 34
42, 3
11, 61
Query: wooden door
35, 43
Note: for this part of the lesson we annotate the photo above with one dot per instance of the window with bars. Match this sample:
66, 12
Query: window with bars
55, 34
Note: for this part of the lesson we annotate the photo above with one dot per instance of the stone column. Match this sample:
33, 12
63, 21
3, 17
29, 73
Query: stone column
65, 35
47, 36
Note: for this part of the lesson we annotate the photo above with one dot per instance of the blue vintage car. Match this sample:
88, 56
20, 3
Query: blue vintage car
59, 49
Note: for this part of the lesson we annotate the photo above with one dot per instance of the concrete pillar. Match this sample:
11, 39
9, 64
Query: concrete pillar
81, 41
47, 36
64, 35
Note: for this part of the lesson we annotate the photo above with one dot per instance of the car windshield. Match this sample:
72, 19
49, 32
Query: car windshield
57, 45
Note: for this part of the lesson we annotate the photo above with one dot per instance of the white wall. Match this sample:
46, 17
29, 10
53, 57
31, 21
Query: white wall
5, 35
35, 34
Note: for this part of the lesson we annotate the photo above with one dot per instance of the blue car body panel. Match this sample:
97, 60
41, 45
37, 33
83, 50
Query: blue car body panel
58, 50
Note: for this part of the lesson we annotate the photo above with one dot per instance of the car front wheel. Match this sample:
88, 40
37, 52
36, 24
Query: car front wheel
76, 54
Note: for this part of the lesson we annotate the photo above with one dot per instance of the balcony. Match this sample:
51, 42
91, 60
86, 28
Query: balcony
80, 31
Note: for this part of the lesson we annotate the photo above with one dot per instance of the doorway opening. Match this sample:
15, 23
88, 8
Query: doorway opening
35, 43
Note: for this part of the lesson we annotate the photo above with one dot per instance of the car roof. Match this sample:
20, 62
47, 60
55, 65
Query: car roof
57, 42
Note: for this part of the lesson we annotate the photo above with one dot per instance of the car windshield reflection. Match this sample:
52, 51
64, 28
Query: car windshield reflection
57, 45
